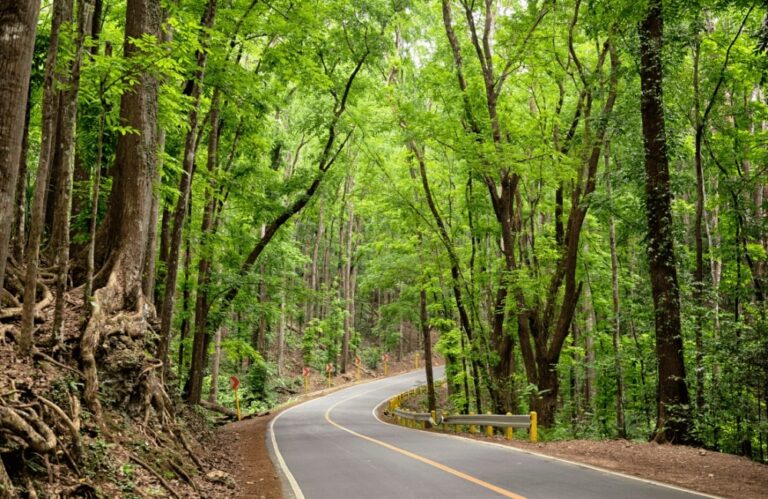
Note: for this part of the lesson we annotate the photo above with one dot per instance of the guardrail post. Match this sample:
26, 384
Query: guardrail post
534, 428
489, 428
472, 428
509, 432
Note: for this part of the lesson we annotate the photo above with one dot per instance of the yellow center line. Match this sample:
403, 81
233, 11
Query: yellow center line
435, 464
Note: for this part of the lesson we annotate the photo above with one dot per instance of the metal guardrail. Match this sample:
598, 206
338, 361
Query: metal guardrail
496, 420
490, 421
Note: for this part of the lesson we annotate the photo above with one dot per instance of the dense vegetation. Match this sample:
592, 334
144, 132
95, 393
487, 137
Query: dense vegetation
570, 196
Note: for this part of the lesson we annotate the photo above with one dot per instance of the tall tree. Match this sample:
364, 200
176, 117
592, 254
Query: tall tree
18, 25
126, 226
673, 417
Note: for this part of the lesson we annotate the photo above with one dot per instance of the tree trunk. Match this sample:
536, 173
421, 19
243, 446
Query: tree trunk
427, 338
672, 424
313, 277
194, 385
49, 126
66, 159
18, 24
195, 86
621, 425
346, 251
185, 303
125, 228
213, 396
590, 380
20, 209
95, 187
281, 336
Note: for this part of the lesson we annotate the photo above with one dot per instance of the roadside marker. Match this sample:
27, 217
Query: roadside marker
235, 384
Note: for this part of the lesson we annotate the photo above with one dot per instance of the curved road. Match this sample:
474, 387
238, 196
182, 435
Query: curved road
334, 447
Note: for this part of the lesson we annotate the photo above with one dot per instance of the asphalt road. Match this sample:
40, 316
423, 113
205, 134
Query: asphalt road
334, 447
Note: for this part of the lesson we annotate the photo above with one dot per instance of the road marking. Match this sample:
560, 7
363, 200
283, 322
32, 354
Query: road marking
298, 494
510, 448
435, 464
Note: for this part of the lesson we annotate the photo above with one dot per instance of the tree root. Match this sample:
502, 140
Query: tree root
31, 429
41, 356
180, 435
74, 428
156, 474
7, 298
182, 474
15, 312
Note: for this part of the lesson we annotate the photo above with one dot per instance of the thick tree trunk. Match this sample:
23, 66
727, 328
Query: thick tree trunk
18, 24
125, 228
672, 424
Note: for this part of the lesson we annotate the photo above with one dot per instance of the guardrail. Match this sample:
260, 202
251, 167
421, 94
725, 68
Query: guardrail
457, 421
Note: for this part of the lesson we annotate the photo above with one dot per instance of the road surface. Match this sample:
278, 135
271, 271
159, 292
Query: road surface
334, 447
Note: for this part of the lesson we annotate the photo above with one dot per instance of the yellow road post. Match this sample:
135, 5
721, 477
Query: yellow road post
472, 428
489, 429
508, 433
534, 428
416, 360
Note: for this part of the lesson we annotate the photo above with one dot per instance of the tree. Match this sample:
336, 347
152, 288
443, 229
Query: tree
18, 22
126, 226
672, 423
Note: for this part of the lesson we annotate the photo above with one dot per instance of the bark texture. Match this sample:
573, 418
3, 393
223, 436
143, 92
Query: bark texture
18, 24
672, 423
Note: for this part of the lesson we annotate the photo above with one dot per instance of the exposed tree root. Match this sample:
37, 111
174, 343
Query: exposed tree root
15, 312
156, 474
72, 424
179, 470
180, 435
41, 356
37, 435
8, 328
7, 298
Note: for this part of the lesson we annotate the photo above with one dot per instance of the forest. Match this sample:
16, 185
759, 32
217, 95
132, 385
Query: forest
565, 201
